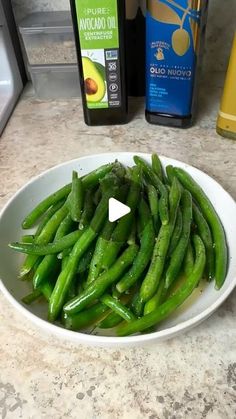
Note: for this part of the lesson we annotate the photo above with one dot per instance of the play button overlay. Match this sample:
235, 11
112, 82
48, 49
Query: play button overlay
117, 210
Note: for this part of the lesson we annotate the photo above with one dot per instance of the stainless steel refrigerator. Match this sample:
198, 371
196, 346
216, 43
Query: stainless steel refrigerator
12, 71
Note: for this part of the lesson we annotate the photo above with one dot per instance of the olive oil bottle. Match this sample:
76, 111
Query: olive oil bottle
99, 27
226, 122
174, 35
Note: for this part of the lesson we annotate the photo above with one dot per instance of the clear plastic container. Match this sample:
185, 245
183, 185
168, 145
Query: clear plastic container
55, 81
48, 38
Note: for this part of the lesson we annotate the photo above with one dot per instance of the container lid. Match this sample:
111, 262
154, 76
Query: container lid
56, 68
46, 22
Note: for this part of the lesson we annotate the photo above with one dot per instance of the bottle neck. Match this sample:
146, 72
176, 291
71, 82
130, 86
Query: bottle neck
132, 8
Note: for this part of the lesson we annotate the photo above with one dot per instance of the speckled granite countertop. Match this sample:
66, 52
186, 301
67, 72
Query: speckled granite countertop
192, 376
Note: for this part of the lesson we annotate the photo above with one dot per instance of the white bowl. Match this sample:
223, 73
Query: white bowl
198, 307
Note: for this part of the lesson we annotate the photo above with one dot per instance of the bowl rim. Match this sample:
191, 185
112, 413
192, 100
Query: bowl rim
115, 340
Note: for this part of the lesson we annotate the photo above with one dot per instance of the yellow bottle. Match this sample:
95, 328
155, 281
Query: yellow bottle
226, 123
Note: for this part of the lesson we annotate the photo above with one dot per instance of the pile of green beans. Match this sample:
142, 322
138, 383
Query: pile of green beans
120, 275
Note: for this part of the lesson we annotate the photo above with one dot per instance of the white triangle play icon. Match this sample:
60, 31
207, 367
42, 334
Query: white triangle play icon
117, 210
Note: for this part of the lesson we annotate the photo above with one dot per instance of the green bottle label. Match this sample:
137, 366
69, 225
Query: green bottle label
99, 42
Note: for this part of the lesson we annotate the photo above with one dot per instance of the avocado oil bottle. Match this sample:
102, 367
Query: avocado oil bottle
174, 35
99, 27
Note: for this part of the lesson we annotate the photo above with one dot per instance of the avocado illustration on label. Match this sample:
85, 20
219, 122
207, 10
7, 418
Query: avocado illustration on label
95, 87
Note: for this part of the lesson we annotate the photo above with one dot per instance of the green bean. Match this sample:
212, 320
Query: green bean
137, 304
153, 204
101, 245
67, 274
47, 289
80, 284
112, 320
147, 240
72, 291
49, 262
112, 179
92, 179
177, 256
40, 209
119, 308
33, 296
52, 225
157, 166
156, 300
163, 207
29, 275
96, 263
49, 248
151, 281
180, 280
48, 214
44, 237
64, 262
132, 236
164, 294
85, 318
188, 260
88, 210
49, 265
176, 233
174, 197
64, 253
65, 226
109, 257
27, 238
123, 228
170, 173
218, 233
89, 180
102, 241
170, 305
115, 294
154, 179
97, 288
97, 196
36, 294
85, 261
206, 236
76, 197
110, 189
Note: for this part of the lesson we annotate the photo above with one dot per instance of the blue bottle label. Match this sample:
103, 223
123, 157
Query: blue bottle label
172, 44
